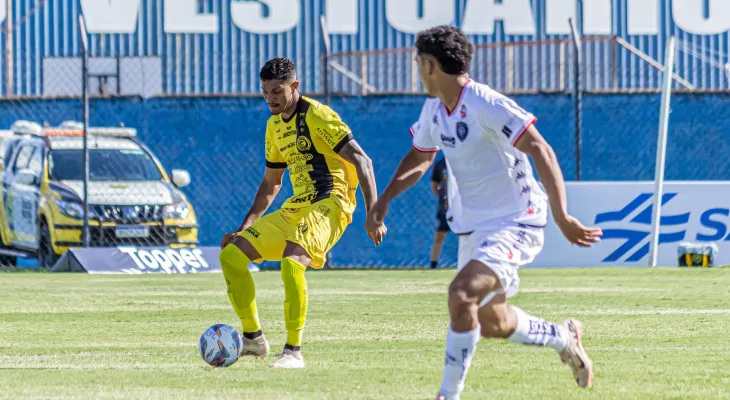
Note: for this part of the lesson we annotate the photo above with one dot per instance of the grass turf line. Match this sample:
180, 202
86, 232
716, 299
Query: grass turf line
653, 333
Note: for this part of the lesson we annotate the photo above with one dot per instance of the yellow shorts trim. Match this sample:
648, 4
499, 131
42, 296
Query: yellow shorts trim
316, 228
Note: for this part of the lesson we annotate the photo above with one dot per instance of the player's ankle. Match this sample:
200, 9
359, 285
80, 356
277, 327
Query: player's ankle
253, 335
434, 264
292, 347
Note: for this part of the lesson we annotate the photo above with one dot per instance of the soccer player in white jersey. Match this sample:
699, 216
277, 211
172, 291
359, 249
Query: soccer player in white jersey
486, 139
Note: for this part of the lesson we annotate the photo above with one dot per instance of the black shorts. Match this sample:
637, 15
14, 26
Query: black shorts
441, 224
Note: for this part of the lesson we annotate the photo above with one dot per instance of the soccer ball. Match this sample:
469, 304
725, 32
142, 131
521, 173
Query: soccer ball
220, 345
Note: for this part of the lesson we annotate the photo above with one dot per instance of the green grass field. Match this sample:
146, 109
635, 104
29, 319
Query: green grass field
659, 333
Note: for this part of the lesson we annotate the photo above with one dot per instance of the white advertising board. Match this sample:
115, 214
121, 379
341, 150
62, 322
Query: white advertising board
691, 211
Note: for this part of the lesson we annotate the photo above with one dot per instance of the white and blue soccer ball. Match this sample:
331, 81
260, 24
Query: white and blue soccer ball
220, 345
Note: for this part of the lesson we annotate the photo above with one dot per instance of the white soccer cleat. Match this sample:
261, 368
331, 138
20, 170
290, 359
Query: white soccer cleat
258, 347
575, 356
289, 359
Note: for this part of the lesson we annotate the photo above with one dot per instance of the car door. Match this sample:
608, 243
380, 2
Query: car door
26, 195
13, 207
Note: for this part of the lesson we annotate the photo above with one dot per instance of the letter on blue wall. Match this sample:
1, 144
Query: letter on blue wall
342, 17
689, 15
181, 16
109, 16
516, 16
643, 17
249, 16
596, 16
403, 14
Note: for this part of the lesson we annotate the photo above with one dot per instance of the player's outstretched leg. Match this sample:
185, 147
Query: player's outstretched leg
234, 260
499, 320
293, 266
470, 285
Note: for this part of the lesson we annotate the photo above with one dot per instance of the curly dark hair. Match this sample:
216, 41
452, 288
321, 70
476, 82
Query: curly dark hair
278, 69
449, 46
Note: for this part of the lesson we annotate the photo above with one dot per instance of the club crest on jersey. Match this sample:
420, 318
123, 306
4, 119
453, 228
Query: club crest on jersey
303, 144
462, 130
463, 111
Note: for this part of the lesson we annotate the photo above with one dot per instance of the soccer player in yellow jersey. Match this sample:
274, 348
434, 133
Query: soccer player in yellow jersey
325, 165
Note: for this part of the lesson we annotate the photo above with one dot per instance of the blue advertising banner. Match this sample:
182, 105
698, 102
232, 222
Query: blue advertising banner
140, 260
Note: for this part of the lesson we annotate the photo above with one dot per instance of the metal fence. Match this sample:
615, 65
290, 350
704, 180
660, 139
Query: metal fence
518, 67
140, 192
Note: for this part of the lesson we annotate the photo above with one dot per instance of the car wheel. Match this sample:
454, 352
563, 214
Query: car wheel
46, 257
7, 261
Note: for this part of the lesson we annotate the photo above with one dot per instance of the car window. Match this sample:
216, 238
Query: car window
120, 165
8, 153
36, 162
21, 161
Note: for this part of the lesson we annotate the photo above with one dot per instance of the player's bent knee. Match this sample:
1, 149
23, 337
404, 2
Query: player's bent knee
461, 294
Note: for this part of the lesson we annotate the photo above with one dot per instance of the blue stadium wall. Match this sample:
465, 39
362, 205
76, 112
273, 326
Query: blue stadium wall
220, 141
227, 60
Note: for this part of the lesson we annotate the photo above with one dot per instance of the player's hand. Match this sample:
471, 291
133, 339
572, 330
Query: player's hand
227, 238
377, 235
376, 215
578, 234
374, 223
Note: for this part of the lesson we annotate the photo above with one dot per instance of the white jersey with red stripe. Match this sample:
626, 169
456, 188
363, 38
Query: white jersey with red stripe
495, 181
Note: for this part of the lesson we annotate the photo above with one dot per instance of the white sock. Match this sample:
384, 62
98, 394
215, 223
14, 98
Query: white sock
537, 331
460, 348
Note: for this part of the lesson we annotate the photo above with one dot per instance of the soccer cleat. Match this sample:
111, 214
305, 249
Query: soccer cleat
575, 356
258, 347
289, 359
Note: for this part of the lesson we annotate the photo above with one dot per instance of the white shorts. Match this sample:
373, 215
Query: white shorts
503, 249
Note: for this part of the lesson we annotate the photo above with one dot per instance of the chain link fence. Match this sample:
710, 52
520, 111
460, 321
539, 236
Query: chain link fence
182, 169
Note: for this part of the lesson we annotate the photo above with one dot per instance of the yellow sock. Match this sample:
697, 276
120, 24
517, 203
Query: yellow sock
241, 289
295, 303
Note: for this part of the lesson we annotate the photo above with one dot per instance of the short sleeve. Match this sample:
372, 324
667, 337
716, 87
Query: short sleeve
421, 130
330, 128
274, 159
506, 118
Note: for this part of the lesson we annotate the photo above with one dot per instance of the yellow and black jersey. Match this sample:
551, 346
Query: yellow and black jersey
307, 144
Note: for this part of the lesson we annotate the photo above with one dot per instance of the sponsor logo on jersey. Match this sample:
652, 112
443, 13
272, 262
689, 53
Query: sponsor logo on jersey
463, 111
448, 141
287, 147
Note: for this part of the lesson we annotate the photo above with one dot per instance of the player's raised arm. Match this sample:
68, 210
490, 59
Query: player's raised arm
534, 145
